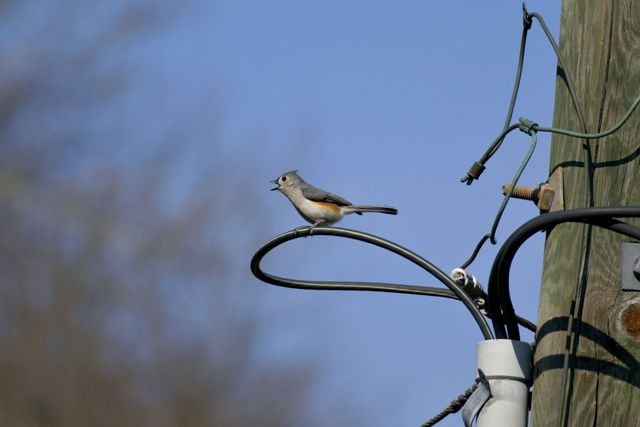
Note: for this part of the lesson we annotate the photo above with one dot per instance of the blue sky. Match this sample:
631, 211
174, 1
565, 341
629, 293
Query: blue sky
380, 102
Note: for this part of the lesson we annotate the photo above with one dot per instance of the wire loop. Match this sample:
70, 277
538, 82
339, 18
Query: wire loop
454, 290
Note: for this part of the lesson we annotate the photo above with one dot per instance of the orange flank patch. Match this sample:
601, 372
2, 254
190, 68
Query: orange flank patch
329, 206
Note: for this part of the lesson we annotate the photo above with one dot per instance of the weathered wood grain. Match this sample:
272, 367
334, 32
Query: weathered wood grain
600, 40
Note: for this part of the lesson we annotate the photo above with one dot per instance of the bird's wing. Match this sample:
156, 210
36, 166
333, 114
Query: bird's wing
318, 195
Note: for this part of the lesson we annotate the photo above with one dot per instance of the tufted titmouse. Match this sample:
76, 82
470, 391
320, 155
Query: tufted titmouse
318, 206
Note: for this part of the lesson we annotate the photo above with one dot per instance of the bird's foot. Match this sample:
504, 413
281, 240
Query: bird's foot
299, 230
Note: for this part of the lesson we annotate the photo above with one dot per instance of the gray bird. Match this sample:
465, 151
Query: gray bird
317, 206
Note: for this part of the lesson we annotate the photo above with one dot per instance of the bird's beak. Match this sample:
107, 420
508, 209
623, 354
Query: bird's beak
276, 183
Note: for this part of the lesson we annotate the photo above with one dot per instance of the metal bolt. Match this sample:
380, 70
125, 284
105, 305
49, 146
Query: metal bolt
521, 192
542, 196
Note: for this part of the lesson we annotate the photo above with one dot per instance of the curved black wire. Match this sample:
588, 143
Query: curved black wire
475, 252
501, 311
381, 287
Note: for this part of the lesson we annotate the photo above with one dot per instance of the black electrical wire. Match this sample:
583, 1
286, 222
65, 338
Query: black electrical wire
382, 287
501, 309
475, 252
362, 286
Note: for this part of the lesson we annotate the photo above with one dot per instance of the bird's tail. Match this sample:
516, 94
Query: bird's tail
359, 209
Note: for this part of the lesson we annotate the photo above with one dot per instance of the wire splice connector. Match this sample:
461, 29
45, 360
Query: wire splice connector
470, 285
527, 126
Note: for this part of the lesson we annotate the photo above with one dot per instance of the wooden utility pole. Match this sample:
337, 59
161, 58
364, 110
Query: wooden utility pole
600, 40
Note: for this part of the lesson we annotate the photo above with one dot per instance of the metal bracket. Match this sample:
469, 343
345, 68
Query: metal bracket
630, 266
477, 400
557, 184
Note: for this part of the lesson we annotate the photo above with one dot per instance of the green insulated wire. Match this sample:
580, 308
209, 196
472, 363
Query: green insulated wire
602, 134
505, 200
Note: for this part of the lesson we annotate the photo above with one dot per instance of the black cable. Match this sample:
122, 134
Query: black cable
501, 309
475, 252
376, 241
527, 324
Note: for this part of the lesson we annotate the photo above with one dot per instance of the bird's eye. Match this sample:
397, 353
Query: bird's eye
284, 178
